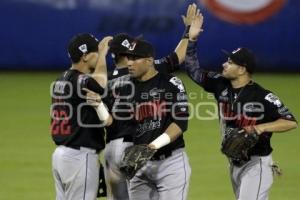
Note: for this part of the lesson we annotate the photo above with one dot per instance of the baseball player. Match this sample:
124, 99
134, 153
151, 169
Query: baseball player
75, 125
161, 112
119, 134
243, 103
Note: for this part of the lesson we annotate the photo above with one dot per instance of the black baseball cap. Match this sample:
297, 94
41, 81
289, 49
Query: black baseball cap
120, 43
140, 48
82, 44
244, 57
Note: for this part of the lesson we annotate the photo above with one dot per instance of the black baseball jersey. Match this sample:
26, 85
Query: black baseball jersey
73, 122
120, 93
246, 106
159, 102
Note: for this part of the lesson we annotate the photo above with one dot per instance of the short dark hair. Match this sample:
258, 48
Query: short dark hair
82, 44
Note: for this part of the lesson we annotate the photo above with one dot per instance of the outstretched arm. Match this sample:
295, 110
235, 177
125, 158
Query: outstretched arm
280, 125
187, 20
192, 65
100, 73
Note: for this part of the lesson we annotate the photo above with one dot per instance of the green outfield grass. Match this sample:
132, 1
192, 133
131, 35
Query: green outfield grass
26, 146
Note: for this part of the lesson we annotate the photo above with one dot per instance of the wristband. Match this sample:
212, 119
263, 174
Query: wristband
102, 112
186, 32
161, 141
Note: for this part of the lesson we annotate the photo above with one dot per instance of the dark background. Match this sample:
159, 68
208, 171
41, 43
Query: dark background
34, 33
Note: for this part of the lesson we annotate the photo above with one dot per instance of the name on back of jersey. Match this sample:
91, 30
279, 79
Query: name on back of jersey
61, 89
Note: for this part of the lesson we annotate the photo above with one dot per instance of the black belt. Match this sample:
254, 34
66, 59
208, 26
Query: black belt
78, 148
126, 138
162, 156
238, 162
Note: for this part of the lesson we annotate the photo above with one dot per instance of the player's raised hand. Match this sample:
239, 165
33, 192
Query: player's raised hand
100, 73
196, 26
103, 45
190, 14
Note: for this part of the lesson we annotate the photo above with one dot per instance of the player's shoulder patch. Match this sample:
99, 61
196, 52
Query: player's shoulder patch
270, 97
82, 80
115, 72
160, 61
157, 62
178, 83
214, 75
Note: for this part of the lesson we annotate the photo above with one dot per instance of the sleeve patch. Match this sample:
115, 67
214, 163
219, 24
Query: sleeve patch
273, 99
82, 80
158, 62
178, 83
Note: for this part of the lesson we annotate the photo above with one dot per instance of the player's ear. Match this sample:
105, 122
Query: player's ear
150, 60
242, 70
84, 57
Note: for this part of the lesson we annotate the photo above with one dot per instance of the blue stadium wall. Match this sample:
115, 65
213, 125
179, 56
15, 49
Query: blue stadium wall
34, 33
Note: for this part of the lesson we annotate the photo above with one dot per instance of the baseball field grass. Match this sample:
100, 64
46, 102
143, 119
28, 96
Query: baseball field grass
26, 145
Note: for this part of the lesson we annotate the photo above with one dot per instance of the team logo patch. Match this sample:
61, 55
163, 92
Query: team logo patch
83, 48
245, 11
125, 43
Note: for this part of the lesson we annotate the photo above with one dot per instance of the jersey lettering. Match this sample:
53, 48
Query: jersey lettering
154, 109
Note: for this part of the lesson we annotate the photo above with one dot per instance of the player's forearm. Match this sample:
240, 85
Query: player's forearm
109, 121
171, 134
280, 125
173, 131
192, 66
103, 114
100, 73
181, 49
187, 20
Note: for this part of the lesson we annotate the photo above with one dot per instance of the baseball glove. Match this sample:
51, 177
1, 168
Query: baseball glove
134, 158
237, 142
